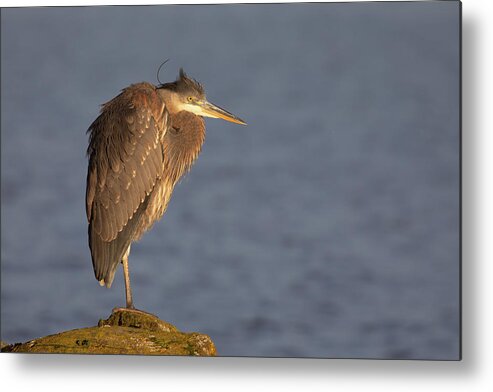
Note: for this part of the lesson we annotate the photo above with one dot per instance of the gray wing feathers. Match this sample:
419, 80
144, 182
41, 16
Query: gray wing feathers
125, 161
125, 189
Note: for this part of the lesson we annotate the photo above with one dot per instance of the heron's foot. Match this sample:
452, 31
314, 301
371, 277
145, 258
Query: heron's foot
132, 310
134, 318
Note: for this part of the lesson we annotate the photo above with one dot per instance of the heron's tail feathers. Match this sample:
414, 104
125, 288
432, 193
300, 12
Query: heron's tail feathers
107, 255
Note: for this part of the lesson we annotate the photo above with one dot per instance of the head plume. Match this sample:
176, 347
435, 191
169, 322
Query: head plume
184, 84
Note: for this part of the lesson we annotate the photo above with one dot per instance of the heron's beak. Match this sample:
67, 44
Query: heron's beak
207, 109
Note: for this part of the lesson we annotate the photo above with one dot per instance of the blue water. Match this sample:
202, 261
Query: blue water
328, 227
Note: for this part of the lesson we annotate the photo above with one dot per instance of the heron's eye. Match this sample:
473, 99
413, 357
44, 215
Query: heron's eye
190, 99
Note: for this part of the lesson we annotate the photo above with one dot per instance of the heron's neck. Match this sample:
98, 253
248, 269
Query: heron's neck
170, 99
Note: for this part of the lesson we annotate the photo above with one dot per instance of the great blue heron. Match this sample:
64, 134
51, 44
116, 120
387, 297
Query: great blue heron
143, 141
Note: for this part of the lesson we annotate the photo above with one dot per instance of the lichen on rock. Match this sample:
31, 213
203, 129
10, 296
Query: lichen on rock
124, 332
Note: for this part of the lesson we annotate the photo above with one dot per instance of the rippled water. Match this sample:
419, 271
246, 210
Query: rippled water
329, 227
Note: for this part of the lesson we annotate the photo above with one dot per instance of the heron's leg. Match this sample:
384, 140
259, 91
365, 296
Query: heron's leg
126, 275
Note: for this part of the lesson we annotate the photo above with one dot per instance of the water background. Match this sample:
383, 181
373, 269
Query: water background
328, 227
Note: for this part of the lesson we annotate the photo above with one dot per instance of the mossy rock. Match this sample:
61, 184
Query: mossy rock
124, 332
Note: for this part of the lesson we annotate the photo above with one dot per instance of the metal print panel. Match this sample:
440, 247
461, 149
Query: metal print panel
327, 227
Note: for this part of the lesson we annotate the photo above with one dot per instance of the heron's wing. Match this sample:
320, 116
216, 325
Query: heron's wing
126, 160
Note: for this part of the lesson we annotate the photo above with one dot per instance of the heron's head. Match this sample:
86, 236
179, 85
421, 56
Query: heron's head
188, 95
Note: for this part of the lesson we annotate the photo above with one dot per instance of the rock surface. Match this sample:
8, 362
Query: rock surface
124, 332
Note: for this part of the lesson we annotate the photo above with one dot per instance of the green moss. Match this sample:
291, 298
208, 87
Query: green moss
124, 332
